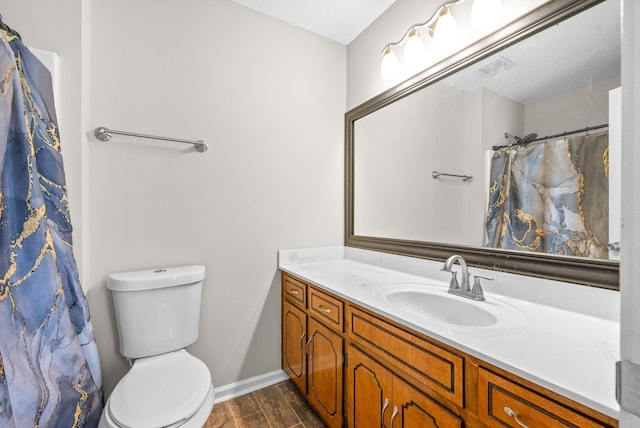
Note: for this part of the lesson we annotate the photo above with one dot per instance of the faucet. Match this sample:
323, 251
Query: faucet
462, 288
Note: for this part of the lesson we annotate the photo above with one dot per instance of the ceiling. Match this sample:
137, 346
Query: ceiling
573, 54
337, 20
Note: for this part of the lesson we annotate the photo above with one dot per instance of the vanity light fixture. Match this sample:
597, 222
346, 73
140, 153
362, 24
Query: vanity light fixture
445, 31
414, 54
442, 28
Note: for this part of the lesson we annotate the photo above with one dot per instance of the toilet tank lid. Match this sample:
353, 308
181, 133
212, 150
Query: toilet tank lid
155, 278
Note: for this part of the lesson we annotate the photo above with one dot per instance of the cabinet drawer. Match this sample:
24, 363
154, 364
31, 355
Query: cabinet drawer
429, 364
501, 401
326, 308
294, 290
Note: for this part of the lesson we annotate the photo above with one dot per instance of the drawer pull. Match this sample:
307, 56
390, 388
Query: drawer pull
293, 291
384, 409
514, 415
324, 309
393, 416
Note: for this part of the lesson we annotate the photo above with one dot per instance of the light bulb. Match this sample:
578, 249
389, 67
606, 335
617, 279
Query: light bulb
485, 13
414, 56
390, 67
445, 34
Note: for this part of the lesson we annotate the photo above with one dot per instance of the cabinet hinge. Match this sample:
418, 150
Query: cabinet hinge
628, 386
344, 421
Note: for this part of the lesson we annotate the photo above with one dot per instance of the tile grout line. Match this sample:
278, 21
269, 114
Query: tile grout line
291, 407
233, 414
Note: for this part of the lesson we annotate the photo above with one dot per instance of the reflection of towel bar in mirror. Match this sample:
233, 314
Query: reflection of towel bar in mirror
436, 174
104, 134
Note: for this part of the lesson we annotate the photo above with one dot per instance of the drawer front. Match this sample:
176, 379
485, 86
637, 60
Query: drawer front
294, 290
436, 368
503, 402
326, 308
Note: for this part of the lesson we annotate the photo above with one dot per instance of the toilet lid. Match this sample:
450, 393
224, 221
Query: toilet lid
160, 391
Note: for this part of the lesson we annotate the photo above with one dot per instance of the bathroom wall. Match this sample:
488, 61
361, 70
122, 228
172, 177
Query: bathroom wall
269, 100
567, 111
267, 97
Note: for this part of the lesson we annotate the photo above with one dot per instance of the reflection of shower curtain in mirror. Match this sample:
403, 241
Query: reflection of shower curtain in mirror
49, 368
551, 197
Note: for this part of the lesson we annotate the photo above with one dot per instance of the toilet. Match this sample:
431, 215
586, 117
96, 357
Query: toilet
157, 314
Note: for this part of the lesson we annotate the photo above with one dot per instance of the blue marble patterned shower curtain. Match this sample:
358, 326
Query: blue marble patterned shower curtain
551, 197
49, 368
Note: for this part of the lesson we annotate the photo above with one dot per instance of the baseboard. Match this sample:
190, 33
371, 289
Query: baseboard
246, 386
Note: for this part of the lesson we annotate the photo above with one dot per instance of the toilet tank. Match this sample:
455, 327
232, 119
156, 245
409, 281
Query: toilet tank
157, 311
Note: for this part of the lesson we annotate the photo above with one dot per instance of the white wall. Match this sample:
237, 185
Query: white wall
267, 97
629, 267
586, 106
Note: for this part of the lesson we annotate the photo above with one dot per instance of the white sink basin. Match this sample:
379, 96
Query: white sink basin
435, 304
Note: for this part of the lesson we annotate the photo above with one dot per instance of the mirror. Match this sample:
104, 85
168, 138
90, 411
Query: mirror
421, 166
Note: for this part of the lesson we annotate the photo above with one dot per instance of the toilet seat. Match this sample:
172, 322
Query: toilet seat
160, 391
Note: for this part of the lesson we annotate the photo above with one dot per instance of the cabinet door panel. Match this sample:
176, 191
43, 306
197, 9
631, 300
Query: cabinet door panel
325, 373
417, 410
294, 357
368, 387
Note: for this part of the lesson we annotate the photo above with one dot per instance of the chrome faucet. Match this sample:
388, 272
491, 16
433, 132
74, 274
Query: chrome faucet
462, 288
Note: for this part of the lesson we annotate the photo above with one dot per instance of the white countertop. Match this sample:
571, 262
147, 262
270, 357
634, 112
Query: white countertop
567, 351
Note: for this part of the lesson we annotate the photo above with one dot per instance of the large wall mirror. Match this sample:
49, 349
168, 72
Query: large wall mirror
427, 173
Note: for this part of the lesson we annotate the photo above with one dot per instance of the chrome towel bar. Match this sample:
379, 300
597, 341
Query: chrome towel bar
105, 134
436, 174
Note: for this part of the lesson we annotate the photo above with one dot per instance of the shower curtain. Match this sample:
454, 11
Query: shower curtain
551, 197
49, 368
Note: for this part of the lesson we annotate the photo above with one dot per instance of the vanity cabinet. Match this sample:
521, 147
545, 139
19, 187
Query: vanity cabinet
396, 377
312, 346
376, 397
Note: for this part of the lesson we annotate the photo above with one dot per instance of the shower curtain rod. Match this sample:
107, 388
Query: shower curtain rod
104, 134
563, 134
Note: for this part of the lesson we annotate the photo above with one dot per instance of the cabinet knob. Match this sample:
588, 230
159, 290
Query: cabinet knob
384, 409
306, 349
393, 416
514, 415
324, 309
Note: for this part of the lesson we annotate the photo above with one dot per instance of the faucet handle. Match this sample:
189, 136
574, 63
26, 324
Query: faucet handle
453, 283
477, 287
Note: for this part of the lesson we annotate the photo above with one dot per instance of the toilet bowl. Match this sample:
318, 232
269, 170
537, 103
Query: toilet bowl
157, 314
171, 390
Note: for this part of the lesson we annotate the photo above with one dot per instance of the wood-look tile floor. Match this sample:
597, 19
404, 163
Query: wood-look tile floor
277, 406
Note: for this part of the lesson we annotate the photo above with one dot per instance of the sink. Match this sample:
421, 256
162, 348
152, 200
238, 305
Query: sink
435, 304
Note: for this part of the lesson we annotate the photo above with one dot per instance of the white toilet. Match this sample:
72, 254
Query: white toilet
158, 313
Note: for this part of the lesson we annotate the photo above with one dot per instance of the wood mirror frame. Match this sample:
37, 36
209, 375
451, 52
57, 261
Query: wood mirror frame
593, 272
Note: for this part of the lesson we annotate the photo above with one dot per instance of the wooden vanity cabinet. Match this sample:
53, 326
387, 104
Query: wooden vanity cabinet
376, 397
395, 377
312, 346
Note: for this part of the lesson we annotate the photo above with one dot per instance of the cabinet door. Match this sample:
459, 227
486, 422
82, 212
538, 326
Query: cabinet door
294, 357
325, 373
368, 387
414, 409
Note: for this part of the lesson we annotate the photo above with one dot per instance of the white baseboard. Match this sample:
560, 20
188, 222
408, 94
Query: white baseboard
246, 386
